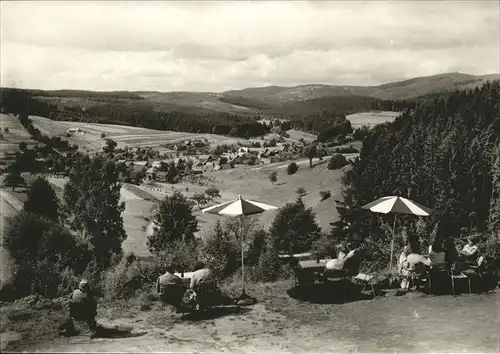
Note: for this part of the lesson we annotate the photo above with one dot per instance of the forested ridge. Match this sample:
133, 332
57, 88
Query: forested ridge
444, 154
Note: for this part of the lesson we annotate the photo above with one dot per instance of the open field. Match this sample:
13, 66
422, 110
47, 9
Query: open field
125, 136
16, 134
251, 182
371, 119
296, 135
280, 323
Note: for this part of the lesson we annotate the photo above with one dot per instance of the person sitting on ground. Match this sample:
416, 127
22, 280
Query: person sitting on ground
83, 306
170, 288
469, 251
437, 255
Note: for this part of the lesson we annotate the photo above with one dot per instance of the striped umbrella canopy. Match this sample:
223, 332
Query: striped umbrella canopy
396, 205
240, 207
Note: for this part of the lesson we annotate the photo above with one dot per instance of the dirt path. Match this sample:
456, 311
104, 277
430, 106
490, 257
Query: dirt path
410, 323
258, 330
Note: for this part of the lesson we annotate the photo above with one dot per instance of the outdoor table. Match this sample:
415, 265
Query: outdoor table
309, 269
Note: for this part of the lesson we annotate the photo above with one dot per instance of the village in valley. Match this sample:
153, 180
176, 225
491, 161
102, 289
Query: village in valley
331, 184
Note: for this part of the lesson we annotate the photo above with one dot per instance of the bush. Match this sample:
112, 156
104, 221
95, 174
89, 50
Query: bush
270, 267
292, 168
325, 246
128, 278
325, 195
220, 252
345, 150
336, 162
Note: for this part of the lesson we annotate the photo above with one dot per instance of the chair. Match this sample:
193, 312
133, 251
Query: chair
459, 268
438, 270
459, 276
365, 281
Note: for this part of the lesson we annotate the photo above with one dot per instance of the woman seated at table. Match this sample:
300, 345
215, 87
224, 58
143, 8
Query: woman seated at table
411, 265
344, 261
437, 255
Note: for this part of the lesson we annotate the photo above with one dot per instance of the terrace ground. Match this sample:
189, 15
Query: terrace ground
278, 323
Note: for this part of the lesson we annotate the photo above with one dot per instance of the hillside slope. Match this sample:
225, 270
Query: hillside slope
301, 100
397, 90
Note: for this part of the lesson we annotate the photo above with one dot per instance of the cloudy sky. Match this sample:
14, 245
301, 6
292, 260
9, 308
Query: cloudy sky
216, 46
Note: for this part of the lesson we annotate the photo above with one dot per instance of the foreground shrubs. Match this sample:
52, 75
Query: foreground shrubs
337, 161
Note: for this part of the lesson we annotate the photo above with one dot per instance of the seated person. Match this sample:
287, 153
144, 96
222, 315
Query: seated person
201, 275
414, 265
170, 288
469, 251
349, 261
402, 258
437, 255
337, 263
83, 306
451, 253
203, 284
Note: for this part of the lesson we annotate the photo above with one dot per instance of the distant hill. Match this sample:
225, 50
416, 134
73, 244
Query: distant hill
412, 88
303, 100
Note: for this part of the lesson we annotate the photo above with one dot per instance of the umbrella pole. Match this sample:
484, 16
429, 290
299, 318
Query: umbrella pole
242, 258
392, 242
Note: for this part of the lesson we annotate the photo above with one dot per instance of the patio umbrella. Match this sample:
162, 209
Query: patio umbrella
240, 207
396, 205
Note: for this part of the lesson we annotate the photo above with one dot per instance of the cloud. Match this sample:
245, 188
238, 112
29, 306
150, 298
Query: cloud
214, 46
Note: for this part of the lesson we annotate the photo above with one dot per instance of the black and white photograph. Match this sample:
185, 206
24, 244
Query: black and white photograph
251, 176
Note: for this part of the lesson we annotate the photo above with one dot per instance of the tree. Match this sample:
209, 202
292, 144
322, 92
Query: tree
200, 199
233, 131
92, 201
311, 152
138, 175
292, 168
23, 146
110, 146
6, 130
337, 161
174, 221
273, 177
42, 200
294, 229
220, 252
41, 250
103, 135
325, 195
14, 179
213, 193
